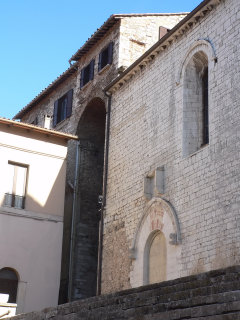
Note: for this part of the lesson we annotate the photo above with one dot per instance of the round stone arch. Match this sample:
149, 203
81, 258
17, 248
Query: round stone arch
201, 45
9, 283
158, 216
91, 133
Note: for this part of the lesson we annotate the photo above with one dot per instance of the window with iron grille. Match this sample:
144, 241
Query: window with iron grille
16, 188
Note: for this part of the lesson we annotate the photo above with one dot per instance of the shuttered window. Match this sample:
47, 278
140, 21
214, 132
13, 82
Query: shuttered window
87, 74
62, 108
105, 56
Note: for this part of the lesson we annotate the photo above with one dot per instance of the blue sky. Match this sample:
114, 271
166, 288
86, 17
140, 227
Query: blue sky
39, 36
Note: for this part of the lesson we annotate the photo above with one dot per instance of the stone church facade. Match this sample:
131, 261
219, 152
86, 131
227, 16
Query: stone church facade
173, 180
159, 143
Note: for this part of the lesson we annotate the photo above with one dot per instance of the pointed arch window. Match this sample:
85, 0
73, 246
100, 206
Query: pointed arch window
205, 133
195, 104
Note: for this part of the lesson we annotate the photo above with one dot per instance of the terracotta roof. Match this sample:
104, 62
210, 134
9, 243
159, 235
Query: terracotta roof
185, 24
34, 128
66, 74
82, 51
113, 19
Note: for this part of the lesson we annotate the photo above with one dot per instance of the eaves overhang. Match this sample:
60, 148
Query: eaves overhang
111, 21
44, 93
107, 25
33, 128
185, 24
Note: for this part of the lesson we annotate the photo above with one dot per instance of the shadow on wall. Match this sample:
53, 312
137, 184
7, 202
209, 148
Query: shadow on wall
43, 189
49, 192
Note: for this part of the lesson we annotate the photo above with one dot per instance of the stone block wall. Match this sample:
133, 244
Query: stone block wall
207, 296
90, 174
147, 133
139, 33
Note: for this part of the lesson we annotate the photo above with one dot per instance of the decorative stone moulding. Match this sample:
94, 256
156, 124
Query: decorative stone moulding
159, 217
154, 183
159, 214
204, 45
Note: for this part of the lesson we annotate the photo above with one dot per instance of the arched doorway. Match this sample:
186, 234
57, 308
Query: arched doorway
91, 133
9, 284
156, 248
156, 258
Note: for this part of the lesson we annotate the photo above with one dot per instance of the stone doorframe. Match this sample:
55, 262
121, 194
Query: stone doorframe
159, 215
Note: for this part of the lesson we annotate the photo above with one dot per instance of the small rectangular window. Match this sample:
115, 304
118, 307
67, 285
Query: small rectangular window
62, 108
105, 56
16, 188
87, 74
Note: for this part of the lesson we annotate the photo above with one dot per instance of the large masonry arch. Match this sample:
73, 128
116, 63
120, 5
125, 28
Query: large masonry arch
91, 133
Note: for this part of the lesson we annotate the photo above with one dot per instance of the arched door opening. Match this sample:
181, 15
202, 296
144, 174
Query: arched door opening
9, 284
155, 258
91, 132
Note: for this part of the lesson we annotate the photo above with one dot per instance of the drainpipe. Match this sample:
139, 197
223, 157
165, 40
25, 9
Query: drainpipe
99, 270
75, 190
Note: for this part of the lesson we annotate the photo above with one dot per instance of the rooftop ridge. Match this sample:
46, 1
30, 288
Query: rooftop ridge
101, 31
63, 76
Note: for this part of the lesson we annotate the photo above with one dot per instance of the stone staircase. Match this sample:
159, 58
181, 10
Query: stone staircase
214, 295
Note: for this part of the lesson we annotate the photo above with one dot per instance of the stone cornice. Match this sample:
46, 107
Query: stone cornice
181, 28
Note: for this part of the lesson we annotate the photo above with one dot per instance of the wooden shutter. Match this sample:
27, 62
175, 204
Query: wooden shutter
91, 72
100, 61
69, 102
55, 112
110, 52
82, 78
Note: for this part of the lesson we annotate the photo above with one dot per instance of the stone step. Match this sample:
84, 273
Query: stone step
222, 310
221, 303
211, 296
144, 312
158, 295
